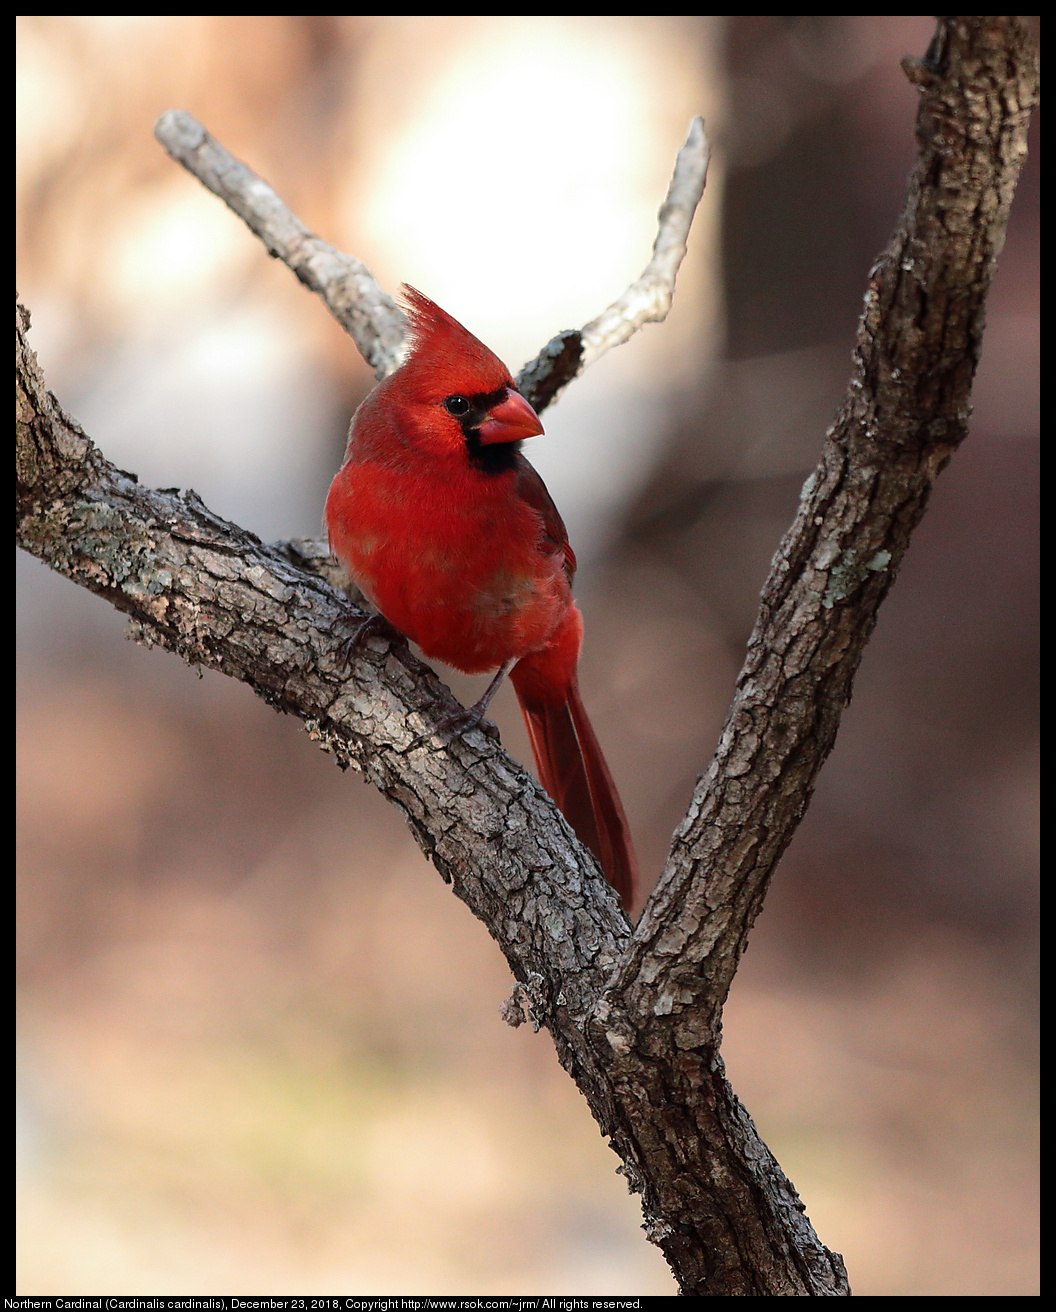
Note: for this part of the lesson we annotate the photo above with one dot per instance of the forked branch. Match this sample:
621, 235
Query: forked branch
374, 321
635, 1018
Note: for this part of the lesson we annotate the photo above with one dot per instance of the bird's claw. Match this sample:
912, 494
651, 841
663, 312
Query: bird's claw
375, 624
469, 717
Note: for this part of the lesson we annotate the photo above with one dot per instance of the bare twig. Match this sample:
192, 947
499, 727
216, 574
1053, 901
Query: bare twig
372, 318
647, 300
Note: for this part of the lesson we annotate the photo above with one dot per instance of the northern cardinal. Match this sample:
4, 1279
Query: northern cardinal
450, 532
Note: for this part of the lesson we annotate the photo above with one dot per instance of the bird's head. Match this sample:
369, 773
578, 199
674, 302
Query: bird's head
458, 394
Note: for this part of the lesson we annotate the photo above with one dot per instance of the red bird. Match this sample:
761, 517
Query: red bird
450, 532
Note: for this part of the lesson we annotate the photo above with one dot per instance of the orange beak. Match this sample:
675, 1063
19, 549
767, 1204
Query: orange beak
510, 421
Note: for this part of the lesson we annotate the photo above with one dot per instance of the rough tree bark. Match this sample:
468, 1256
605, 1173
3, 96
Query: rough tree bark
635, 1014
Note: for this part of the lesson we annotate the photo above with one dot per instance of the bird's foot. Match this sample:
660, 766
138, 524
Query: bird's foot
375, 625
468, 717
460, 722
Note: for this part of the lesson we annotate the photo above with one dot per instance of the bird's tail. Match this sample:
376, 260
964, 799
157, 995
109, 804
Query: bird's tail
573, 771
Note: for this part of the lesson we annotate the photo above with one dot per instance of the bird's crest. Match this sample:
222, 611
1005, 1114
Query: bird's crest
441, 346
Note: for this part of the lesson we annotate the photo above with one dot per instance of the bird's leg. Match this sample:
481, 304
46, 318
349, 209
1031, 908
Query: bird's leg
373, 624
469, 716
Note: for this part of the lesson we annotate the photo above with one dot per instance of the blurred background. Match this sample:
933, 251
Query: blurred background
259, 1041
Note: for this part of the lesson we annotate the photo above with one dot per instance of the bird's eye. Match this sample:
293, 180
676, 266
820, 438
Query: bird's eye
457, 406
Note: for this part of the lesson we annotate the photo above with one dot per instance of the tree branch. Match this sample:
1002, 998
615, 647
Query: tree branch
906, 410
214, 594
371, 318
635, 1019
